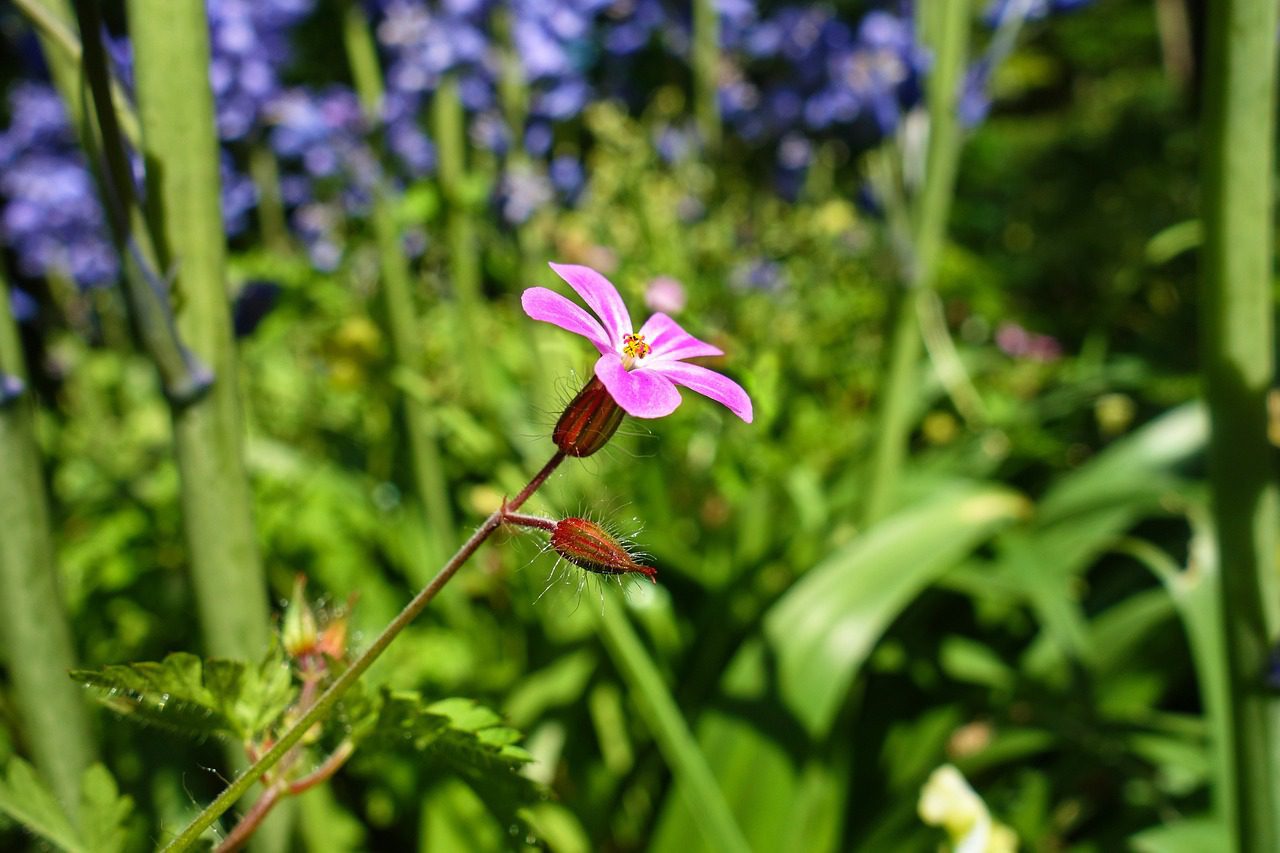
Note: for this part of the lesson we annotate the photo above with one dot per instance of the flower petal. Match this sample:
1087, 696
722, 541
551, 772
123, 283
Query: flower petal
601, 297
641, 393
718, 387
670, 342
550, 307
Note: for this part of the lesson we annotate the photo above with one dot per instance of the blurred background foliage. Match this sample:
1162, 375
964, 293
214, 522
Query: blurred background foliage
1022, 614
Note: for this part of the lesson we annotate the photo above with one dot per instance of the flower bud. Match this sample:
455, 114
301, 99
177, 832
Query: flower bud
333, 639
588, 546
588, 422
299, 633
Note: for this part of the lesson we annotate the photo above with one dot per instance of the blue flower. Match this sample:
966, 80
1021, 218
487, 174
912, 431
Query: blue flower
568, 177
23, 305
51, 216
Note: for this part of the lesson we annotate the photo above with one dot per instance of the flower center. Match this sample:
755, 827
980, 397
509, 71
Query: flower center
634, 347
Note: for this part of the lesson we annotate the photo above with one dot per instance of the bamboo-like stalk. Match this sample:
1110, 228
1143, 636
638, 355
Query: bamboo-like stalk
397, 289
1237, 363
448, 127
175, 107
180, 148
945, 28
33, 625
706, 65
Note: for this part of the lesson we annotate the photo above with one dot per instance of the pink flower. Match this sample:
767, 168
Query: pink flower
665, 293
639, 369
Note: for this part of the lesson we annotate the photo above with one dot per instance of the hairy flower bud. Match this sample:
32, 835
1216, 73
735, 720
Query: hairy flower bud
588, 422
588, 546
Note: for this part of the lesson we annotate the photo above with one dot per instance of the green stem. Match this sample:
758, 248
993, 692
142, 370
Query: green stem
185, 378
1237, 342
33, 625
175, 105
272, 223
677, 743
448, 126
325, 704
397, 289
63, 52
706, 67
945, 27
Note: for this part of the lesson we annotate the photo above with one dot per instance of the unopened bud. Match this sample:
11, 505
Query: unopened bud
299, 634
333, 639
589, 546
588, 422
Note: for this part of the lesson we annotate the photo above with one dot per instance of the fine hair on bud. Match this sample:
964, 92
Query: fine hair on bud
589, 546
588, 422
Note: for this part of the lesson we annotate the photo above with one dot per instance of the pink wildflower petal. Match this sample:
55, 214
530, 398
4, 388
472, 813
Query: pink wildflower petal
601, 297
640, 393
720, 388
550, 307
670, 342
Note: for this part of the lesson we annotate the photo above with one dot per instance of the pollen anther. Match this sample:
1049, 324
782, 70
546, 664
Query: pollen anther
633, 346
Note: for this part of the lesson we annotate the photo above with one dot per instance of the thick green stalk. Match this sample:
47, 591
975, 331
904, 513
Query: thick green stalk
706, 70
397, 289
52, 21
448, 128
100, 125
945, 28
677, 743
175, 106
33, 625
1237, 346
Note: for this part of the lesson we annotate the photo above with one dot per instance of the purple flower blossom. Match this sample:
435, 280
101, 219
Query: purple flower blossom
249, 46
639, 369
22, 305
11, 388
51, 215
568, 177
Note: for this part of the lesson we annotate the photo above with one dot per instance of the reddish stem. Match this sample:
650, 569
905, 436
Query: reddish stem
281, 750
252, 819
528, 521
325, 771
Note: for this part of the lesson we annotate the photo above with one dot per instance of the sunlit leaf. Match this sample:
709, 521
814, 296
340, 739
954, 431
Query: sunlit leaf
467, 738
823, 628
193, 696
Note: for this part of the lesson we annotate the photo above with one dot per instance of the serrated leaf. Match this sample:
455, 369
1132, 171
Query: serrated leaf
468, 738
24, 797
193, 696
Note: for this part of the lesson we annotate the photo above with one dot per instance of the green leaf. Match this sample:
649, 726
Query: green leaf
823, 628
24, 797
469, 739
195, 697
103, 812
1184, 836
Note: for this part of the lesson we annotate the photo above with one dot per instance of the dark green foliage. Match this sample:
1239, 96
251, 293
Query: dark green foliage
464, 737
103, 816
196, 697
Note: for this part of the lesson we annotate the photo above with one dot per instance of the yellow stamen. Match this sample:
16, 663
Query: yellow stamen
633, 346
